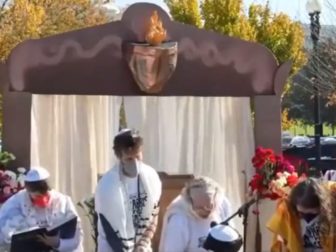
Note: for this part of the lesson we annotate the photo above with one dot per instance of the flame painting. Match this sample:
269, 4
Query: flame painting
156, 34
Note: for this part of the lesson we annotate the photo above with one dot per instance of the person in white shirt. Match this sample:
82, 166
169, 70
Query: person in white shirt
188, 218
39, 206
127, 199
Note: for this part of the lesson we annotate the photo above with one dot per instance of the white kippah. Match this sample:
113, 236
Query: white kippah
123, 131
132, 132
37, 174
224, 233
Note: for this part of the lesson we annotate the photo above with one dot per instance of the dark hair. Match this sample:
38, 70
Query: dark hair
38, 186
126, 141
313, 193
305, 194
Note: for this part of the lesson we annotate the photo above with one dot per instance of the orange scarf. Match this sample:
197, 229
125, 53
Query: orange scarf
285, 224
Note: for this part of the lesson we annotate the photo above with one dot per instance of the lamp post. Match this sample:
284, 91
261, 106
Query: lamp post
314, 10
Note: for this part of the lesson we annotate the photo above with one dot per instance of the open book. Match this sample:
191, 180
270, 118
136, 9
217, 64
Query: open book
26, 241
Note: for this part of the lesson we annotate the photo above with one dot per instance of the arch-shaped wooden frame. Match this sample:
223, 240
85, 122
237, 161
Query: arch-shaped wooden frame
92, 61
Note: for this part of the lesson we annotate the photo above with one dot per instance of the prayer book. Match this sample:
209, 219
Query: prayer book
26, 240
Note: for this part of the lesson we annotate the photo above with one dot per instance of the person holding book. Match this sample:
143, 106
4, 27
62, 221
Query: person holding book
33, 212
127, 198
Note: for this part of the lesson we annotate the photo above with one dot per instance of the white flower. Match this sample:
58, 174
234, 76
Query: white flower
286, 174
21, 170
280, 182
21, 180
11, 174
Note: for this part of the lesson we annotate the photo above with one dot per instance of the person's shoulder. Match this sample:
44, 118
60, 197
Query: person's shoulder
150, 170
148, 167
108, 176
224, 204
17, 197
60, 196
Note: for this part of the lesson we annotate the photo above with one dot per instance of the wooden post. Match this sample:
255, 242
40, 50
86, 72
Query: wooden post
267, 130
267, 124
16, 107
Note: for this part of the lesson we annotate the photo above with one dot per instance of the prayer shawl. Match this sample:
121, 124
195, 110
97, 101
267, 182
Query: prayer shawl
181, 206
330, 175
286, 224
112, 206
19, 214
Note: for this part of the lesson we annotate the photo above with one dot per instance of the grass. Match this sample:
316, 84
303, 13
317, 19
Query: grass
309, 130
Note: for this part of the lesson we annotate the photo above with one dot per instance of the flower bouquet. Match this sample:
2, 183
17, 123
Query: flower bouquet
10, 183
274, 176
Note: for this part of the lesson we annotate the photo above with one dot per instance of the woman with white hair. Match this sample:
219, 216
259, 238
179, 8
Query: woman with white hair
188, 218
39, 206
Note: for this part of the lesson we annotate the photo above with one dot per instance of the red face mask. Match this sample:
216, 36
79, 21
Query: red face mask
41, 201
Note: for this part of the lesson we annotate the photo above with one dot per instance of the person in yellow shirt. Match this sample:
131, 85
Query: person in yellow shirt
305, 221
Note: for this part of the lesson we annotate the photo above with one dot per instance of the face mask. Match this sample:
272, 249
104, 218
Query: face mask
131, 168
41, 201
308, 217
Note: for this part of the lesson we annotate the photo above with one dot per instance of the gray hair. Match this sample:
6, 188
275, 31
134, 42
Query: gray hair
206, 183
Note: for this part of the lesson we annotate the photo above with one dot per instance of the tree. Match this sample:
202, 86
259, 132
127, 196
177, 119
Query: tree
322, 66
329, 117
31, 19
319, 71
286, 122
185, 11
299, 103
284, 37
23, 19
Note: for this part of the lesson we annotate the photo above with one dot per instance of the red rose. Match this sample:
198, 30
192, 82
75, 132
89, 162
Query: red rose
271, 196
292, 180
290, 168
260, 151
258, 162
279, 158
262, 157
256, 183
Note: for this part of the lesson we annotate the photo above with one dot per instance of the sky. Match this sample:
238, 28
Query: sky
294, 8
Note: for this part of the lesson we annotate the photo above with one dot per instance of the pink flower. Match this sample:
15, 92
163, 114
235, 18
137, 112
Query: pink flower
7, 190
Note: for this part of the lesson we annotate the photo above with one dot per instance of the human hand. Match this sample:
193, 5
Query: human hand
142, 245
52, 241
140, 249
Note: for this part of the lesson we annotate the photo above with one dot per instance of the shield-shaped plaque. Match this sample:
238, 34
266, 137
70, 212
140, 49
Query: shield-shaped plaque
152, 66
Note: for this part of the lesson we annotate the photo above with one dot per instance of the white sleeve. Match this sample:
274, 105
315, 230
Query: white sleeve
102, 243
75, 242
226, 211
175, 234
71, 244
9, 210
227, 208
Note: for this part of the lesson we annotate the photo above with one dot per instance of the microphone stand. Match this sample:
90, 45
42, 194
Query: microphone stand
242, 212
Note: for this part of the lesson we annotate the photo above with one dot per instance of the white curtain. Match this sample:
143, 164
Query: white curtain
72, 137
196, 135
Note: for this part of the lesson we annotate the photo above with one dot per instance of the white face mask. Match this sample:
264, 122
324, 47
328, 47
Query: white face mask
131, 168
